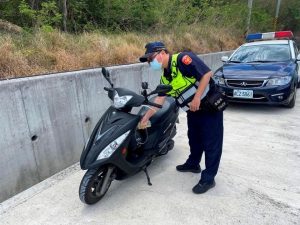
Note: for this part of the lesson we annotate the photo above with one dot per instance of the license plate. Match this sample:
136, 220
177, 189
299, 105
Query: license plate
242, 93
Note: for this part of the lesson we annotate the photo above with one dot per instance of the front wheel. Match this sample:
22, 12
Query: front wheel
291, 104
95, 184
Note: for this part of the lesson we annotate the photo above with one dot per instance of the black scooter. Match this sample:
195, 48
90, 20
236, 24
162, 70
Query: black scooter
116, 148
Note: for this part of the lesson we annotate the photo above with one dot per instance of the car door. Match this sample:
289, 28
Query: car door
298, 62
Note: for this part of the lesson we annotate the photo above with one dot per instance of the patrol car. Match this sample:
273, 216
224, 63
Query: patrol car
264, 70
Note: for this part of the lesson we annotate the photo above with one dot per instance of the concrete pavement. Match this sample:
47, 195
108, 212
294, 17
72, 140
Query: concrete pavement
258, 182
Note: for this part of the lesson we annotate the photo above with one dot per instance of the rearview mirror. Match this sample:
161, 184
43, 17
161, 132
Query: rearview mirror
224, 58
145, 85
162, 88
106, 75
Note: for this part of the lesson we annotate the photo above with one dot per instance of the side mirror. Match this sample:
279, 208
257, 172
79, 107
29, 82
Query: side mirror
224, 58
145, 85
162, 88
298, 58
106, 75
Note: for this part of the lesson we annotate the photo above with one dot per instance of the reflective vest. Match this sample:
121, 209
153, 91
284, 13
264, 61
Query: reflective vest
184, 88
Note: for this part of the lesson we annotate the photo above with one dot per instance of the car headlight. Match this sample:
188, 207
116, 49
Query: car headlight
120, 101
279, 81
112, 147
219, 80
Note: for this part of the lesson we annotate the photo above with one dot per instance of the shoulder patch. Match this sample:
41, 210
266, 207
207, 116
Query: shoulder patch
187, 60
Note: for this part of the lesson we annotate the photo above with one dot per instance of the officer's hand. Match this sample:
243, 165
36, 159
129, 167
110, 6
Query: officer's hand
143, 123
195, 104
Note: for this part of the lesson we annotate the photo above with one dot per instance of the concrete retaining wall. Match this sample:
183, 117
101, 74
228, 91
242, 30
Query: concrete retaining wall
45, 120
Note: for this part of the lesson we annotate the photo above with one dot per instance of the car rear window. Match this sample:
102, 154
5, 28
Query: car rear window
262, 53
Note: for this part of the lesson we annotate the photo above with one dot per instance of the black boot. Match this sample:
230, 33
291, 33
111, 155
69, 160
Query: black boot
203, 187
188, 168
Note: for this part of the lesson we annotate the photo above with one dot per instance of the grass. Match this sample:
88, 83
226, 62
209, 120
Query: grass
27, 54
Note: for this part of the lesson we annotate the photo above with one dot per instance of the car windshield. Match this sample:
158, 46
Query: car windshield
262, 53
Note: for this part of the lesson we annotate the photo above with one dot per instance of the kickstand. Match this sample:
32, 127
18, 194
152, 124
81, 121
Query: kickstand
147, 175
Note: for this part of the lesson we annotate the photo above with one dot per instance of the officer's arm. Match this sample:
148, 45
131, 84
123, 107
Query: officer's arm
158, 100
196, 102
203, 84
192, 65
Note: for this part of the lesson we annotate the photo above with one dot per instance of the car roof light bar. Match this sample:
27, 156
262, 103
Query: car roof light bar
284, 34
251, 37
270, 36
266, 36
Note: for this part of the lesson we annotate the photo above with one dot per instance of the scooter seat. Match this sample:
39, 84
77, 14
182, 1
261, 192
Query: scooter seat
167, 108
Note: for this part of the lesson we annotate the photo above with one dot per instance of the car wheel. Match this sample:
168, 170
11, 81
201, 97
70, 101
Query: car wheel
291, 104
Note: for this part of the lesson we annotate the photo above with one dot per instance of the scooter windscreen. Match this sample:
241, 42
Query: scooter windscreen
126, 98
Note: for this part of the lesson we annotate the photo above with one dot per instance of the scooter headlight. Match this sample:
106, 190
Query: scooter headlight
120, 101
112, 147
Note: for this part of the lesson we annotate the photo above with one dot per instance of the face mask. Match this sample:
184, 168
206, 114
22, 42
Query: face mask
155, 65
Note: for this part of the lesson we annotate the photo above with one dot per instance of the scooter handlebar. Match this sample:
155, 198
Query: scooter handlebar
154, 104
108, 89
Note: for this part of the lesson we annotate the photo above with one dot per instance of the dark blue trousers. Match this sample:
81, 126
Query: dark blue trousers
205, 133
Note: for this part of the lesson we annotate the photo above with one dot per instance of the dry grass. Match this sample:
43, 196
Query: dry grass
47, 52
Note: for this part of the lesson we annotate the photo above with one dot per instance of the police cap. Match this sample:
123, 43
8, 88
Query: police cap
151, 48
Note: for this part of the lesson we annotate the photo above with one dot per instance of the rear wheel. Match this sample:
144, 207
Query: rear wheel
170, 144
95, 184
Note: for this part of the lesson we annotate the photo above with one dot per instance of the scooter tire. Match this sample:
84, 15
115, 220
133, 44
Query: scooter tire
91, 181
169, 147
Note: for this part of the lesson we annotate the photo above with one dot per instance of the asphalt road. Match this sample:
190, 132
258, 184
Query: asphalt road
258, 182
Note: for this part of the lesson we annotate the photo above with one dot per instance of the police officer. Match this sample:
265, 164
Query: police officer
189, 78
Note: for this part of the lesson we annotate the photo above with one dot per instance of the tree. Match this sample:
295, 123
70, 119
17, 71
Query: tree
47, 16
65, 13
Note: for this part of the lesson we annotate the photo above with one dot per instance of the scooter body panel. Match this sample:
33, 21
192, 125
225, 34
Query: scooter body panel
112, 125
